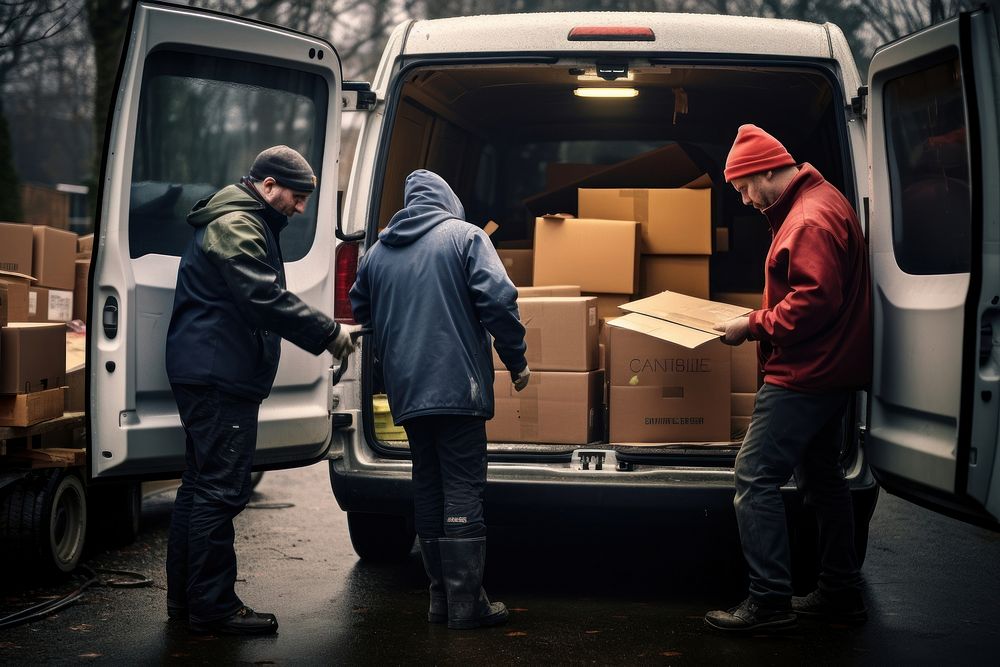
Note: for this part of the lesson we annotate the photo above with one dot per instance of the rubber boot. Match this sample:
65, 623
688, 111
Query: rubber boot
430, 549
462, 564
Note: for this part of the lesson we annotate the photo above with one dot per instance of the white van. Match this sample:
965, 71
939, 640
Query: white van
487, 102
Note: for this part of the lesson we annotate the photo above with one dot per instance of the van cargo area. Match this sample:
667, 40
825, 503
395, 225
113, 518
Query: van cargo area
616, 199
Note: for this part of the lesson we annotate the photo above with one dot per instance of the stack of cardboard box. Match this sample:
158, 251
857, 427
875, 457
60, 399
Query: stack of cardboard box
562, 401
37, 276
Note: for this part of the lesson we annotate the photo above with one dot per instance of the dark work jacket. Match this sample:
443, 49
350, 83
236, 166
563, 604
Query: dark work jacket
433, 289
231, 308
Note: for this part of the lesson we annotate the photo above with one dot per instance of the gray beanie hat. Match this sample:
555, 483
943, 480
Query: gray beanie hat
286, 166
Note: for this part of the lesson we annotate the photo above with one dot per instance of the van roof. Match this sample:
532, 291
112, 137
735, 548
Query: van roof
692, 33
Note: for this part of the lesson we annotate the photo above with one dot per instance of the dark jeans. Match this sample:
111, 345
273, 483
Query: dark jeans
449, 475
201, 561
801, 433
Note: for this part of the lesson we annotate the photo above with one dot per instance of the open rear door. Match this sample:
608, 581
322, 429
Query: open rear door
199, 95
934, 237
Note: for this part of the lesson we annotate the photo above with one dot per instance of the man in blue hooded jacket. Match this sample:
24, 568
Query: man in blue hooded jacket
433, 290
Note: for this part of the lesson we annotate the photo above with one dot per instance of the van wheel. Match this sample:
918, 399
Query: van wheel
380, 537
43, 522
115, 512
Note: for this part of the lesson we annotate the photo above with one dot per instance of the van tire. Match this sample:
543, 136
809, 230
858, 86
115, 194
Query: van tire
380, 537
43, 522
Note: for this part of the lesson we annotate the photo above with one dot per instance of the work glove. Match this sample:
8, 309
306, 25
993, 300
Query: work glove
734, 331
343, 344
520, 380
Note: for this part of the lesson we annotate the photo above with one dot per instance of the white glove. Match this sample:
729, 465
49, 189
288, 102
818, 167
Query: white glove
734, 331
521, 379
342, 344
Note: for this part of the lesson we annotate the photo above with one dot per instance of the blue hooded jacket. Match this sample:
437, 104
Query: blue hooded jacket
433, 289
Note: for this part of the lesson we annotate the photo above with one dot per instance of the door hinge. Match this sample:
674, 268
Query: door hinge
858, 108
357, 96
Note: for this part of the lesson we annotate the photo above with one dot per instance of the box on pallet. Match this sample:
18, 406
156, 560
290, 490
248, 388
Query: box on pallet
34, 357
555, 407
597, 255
560, 333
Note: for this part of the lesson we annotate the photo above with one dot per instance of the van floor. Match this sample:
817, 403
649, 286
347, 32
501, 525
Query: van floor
722, 449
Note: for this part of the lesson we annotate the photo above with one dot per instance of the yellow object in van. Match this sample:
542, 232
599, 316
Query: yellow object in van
385, 429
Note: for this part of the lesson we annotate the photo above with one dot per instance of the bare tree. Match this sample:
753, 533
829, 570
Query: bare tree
23, 23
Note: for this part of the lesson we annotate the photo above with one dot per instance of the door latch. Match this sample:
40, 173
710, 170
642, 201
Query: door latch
596, 459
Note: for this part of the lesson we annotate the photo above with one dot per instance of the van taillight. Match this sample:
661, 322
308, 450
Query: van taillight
611, 34
345, 271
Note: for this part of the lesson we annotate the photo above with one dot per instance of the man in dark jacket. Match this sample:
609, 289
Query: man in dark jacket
231, 309
432, 289
814, 328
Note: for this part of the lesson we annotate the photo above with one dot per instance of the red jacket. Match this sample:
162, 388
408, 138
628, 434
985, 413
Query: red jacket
815, 327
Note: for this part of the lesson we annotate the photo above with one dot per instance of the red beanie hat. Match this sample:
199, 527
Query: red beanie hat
755, 151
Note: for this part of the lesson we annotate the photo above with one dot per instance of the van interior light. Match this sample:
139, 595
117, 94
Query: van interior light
605, 92
589, 77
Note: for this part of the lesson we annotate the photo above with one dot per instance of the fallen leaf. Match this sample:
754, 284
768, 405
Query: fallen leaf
83, 627
516, 633
89, 655
670, 654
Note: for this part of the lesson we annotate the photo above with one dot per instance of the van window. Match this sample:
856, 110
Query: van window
929, 169
202, 120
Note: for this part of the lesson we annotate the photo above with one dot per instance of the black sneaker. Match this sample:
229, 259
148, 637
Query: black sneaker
750, 616
847, 608
244, 622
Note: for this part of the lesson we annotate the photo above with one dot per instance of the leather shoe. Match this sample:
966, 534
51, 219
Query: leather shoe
751, 616
244, 622
848, 607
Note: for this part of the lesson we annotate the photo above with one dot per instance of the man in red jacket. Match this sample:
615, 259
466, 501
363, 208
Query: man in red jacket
814, 329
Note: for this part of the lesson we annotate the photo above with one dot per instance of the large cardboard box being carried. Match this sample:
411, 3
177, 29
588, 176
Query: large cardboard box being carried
674, 221
597, 255
53, 257
15, 248
555, 407
560, 332
669, 374
34, 357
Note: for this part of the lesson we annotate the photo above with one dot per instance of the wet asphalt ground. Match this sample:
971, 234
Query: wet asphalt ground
593, 595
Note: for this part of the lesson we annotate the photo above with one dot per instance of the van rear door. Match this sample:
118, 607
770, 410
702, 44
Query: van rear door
935, 251
199, 95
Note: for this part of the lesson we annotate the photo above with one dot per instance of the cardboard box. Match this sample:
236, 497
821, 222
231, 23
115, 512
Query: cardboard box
49, 305
561, 333
665, 167
15, 247
739, 427
17, 295
746, 373
518, 264
555, 408
602, 356
80, 294
675, 221
742, 403
76, 386
752, 300
53, 257
670, 378
3, 305
608, 304
28, 409
34, 357
685, 274
597, 255
548, 290
85, 243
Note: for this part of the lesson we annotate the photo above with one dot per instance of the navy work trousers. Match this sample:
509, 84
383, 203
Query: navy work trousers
792, 432
449, 475
221, 434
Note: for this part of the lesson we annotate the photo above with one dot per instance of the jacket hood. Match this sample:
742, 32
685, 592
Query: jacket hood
229, 199
427, 202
